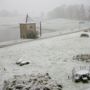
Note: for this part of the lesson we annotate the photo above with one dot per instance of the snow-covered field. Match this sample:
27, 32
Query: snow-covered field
53, 55
64, 25
9, 27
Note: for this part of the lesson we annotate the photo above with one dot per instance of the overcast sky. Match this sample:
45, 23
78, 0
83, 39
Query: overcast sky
35, 7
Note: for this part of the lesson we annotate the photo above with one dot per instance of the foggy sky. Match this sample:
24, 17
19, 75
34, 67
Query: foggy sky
36, 7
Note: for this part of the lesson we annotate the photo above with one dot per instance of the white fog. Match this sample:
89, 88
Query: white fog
44, 44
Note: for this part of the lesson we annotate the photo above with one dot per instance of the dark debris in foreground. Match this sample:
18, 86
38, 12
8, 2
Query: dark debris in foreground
31, 82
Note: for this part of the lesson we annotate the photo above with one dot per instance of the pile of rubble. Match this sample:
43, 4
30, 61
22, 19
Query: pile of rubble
82, 57
32, 82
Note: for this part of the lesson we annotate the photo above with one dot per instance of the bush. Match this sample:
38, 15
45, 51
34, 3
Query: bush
32, 34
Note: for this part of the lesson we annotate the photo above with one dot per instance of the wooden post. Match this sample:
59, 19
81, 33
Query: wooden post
40, 29
26, 18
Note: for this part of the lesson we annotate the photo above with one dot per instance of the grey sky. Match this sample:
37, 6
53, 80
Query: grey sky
35, 7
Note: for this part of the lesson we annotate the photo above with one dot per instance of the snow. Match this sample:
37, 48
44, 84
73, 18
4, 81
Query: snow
83, 72
52, 55
87, 89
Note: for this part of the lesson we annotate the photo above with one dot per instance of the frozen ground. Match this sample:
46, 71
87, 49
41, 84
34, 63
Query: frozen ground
53, 55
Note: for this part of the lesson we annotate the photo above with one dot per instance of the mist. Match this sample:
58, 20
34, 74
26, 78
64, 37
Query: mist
36, 7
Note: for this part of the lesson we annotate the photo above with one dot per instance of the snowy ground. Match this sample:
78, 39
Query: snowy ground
53, 55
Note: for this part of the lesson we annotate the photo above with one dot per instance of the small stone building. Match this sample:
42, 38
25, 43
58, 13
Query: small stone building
25, 28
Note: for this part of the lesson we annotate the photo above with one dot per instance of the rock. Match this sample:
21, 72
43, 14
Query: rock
59, 85
46, 88
37, 89
19, 87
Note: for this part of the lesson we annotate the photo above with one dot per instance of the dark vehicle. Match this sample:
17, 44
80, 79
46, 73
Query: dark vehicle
84, 35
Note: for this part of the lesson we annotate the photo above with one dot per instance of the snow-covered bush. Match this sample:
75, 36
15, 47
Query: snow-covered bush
32, 82
82, 57
32, 34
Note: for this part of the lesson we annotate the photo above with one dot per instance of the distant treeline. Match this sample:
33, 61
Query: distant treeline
79, 12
